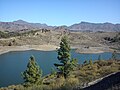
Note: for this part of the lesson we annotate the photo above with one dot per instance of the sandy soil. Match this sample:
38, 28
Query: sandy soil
5, 49
50, 41
94, 50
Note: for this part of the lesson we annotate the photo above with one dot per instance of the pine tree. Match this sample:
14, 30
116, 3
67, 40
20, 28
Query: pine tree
74, 63
85, 62
114, 57
99, 57
53, 72
64, 57
90, 62
32, 75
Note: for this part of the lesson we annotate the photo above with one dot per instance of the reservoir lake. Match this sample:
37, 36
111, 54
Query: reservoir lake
13, 63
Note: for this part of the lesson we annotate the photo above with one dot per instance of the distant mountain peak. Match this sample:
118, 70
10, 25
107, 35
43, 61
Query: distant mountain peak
19, 25
84, 22
20, 21
87, 26
107, 23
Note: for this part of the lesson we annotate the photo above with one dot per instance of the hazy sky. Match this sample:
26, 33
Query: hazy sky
60, 12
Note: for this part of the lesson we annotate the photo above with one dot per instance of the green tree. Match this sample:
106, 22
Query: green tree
64, 57
99, 57
114, 57
85, 62
74, 63
90, 62
32, 75
53, 72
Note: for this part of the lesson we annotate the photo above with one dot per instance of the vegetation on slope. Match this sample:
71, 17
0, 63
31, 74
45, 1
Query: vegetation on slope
79, 77
14, 34
114, 39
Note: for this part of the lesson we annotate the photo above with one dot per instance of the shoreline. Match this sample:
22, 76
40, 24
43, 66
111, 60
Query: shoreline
91, 50
6, 49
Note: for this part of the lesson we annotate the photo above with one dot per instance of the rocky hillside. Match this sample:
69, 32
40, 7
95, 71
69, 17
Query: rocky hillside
85, 26
79, 40
21, 25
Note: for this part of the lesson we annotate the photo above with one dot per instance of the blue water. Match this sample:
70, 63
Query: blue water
13, 63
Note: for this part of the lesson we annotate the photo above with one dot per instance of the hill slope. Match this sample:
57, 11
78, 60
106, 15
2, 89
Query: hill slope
85, 26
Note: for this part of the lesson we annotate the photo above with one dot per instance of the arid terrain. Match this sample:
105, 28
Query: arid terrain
86, 37
85, 42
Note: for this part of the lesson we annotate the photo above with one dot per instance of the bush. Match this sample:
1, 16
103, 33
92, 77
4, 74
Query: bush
59, 82
70, 83
10, 44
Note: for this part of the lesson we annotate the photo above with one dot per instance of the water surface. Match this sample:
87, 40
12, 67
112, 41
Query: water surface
13, 63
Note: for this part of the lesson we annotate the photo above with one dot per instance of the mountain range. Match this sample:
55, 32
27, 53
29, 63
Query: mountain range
21, 25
